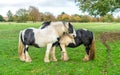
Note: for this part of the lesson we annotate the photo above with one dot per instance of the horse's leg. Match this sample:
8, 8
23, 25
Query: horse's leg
64, 53
27, 57
46, 59
21, 47
86, 58
53, 57
22, 57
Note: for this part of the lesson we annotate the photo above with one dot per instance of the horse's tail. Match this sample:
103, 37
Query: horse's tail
20, 46
92, 50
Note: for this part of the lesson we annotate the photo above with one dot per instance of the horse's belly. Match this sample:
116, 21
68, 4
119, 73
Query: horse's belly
43, 41
42, 44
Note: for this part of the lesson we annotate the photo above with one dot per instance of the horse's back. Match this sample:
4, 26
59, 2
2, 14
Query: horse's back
85, 36
50, 24
87, 33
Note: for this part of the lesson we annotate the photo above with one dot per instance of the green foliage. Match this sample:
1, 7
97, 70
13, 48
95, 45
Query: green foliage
75, 18
48, 16
34, 14
85, 18
10, 16
98, 7
108, 18
11, 65
1, 18
64, 17
21, 15
117, 19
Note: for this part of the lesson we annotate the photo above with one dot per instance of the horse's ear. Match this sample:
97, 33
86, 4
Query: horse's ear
69, 24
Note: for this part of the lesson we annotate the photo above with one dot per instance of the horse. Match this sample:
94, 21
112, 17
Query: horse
47, 35
83, 36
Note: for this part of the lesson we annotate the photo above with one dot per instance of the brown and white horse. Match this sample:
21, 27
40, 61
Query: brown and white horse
83, 36
47, 35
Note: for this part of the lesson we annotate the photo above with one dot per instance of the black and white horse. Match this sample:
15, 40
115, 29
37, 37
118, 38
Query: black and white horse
47, 35
83, 36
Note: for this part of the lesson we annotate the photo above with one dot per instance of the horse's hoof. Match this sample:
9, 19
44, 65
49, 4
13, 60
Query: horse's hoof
46, 61
65, 59
53, 59
85, 59
28, 60
22, 59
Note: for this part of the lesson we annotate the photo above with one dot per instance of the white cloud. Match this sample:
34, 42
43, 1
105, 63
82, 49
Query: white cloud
53, 6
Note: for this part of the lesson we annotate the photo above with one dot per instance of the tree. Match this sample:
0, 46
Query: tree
85, 18
64, 17
42, 16
34, 14
75, 18
10, 16
49, 16
1, 18
117, 19
15, 18
98, 7
21, 15
108, 18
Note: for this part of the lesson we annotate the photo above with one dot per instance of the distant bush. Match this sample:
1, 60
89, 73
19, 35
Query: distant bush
1, 18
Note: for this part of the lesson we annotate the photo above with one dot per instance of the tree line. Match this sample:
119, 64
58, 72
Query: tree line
33, 14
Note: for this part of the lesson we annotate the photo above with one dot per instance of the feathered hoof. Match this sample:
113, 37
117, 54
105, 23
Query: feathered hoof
85, 59
22, 58
28, 60
46, 61
54, 60
65, 59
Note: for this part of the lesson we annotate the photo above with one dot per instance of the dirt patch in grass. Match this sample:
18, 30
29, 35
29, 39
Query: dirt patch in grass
111, 37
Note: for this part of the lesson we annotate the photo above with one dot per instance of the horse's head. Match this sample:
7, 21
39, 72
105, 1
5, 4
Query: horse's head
70, 28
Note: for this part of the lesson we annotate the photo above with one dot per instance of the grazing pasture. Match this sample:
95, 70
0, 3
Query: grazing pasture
105, 63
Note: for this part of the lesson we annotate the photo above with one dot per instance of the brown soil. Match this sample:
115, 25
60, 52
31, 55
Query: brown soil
109, 36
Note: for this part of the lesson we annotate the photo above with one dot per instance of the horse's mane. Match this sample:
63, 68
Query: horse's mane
45, 24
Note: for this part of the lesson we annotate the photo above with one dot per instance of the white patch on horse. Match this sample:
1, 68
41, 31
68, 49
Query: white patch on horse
45, 36
84, 29
74, 33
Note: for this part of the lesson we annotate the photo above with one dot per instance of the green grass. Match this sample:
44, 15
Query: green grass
11, 65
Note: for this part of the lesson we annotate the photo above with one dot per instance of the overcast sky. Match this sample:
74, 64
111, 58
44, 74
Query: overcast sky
53, 6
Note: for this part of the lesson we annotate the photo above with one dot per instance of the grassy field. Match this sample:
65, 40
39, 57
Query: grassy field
11, 65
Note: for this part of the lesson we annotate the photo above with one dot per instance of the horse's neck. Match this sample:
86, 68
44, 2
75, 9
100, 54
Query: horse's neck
60, 30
